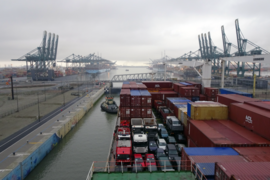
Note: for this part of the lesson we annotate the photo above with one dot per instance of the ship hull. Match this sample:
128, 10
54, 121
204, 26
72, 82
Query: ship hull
94, 71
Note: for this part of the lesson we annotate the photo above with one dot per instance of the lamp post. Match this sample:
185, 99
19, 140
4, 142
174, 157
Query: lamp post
38, 108
17, 100
45, 91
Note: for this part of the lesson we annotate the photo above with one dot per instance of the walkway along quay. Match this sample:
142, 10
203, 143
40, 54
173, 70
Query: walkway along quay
18, 160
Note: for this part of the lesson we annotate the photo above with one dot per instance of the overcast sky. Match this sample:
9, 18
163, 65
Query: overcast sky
127, 31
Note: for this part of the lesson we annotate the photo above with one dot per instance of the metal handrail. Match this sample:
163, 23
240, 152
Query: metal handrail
91, 171
184, 165
110, 148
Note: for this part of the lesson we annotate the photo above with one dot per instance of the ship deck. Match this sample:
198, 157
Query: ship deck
143, 176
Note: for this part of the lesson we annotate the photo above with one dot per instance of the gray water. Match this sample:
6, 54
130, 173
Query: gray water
88, 141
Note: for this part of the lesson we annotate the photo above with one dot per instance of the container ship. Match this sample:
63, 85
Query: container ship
96, 68
167, 130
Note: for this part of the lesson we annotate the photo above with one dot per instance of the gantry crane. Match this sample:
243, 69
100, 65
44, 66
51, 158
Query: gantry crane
41, 60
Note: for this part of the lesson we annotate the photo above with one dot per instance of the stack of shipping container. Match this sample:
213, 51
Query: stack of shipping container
230, 129
135, 101
210, 94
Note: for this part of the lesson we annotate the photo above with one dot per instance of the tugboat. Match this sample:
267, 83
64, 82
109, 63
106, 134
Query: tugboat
109, 105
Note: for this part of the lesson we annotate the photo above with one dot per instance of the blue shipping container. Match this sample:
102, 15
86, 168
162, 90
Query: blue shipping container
178, 99
210, 151
125, 82
195, 98
232, 91
204, 171
184, 83
181, 105
145, 93
135, 93
189, 110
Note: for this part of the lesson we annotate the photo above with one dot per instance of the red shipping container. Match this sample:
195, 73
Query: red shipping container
125, 97
245, 151
155, 96
125, 86
176, 87
135, 112
166, 89
191, 143
197, 85
134, 86
195, 91
210, 92
132, 82
149, 112
227, 99
184, 92
259, 104
211, 159
223, 133
242, 170
143, 112
202, 97
252, 118
211, 99
165, 94
158, 84
142, 86
146, 112
266, 102
146, 101
135, 100
124, 112
258, 158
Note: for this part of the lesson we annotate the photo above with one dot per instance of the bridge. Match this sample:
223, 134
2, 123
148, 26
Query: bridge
138, 77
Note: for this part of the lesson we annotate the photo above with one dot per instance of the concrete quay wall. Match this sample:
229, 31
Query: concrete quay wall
27, 160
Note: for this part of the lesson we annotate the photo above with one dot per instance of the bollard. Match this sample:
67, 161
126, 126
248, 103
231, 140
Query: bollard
14, 153
40, 132
27, 142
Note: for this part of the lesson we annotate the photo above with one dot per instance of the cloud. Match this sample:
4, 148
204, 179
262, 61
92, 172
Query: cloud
127, 30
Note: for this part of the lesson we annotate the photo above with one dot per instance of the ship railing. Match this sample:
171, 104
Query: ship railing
146, 166
91, 171
111, 144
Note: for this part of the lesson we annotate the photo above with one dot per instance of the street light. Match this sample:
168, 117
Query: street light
17, 100
44, 91
38, 108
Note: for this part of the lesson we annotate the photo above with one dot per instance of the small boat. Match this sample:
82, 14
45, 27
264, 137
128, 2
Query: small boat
127, 70
109, 105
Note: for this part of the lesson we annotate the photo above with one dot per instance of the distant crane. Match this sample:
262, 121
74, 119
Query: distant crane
207, 50
41, 60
